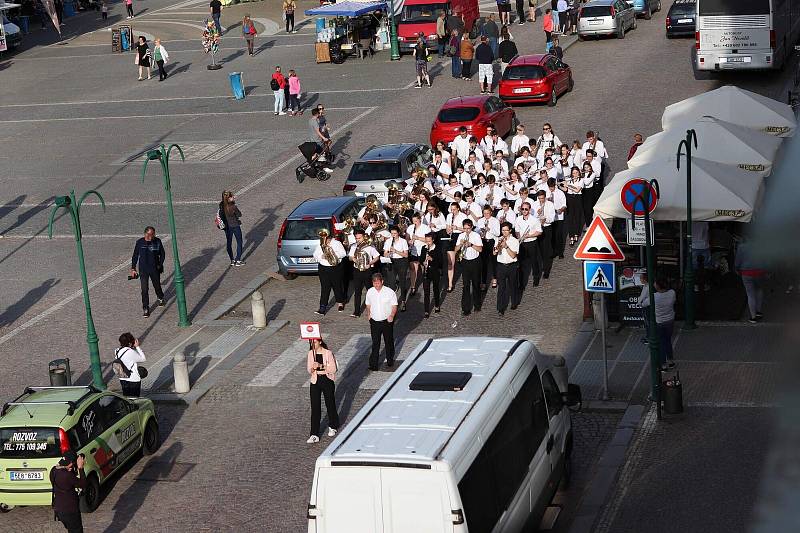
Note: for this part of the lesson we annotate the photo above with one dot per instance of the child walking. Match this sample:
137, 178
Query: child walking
294, 94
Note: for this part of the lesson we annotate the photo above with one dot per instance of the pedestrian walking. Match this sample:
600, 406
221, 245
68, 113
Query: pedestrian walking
573, 188
104, 10
638, 140
142, 57
441, 33
215, 7
381, 309
554, 14
548, 26
454, 51
321, 365
492, 31
504, 11
753, 278
644, 302
230, 216
277, 84
432, 261
468, 248
507, 269
466, 52
485, 57
148, 253
421, 54
249, 33
65, 486
289, 7
161, 56
520, 12
128, 356
562, 18
532, 9
329, 255
294, 94
507, 49
665, 317
129, 8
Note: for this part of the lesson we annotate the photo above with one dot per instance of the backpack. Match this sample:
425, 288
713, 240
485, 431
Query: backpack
118, 367
274, 85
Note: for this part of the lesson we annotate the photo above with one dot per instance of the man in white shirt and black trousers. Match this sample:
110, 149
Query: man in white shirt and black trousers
559, 200
361, 278
471, 244
506, 252
330, 276
528, 229
546, 213
381, 309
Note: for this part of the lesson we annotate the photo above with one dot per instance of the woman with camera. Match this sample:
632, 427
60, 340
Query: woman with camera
130, 355
321, 365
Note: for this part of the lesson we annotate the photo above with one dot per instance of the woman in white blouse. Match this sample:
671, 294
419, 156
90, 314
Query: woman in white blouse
455, 220
572, 187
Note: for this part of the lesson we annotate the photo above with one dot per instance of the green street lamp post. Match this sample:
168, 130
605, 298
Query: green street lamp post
393, 33
74, 210
162, 155
688, 274
652, 337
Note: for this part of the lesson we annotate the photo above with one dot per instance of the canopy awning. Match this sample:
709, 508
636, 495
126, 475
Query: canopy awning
348, 8
719, 192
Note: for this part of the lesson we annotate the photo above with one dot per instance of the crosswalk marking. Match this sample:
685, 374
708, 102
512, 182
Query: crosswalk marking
280, 367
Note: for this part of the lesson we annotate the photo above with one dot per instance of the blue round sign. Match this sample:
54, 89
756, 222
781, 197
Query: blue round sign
631, 191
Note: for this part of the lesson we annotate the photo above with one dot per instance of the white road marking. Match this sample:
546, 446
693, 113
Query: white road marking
278, 369
14, 236
124, 56
177, 22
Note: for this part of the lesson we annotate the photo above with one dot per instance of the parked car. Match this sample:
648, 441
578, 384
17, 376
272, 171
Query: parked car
12, 31
606, 17
298, 236
43, 423
535, 78
645, 8
379, 164
475, 113
681, 18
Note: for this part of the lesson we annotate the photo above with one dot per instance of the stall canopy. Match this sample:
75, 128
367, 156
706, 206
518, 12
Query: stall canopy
735, 105
719, 192
717, 140
349, 8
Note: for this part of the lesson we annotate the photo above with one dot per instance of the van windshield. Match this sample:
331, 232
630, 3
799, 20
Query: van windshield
306, 230
29, 443
733, 7
422, 12
375, 171
596, 11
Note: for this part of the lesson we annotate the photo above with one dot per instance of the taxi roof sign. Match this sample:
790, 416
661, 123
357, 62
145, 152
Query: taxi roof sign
598, 244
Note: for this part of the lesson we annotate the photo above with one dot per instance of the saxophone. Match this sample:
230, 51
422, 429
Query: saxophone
361, 258
327, 250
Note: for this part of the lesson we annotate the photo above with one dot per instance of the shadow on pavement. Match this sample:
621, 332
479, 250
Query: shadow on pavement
184, 67
256, 235
16, 310
13, 204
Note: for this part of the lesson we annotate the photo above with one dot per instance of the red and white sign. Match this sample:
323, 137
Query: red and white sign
629, 193
310, 331
598, 244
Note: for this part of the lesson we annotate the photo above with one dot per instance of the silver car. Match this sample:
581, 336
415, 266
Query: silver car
606, 17
379, 164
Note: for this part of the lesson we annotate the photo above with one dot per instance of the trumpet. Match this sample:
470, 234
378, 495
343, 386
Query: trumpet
501, 243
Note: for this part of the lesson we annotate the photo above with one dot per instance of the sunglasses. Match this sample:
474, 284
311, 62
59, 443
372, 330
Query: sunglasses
546, 129
524, 209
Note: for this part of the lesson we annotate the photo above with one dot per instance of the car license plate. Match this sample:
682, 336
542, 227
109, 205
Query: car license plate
684, 21
26, 476
522, 90
305, 260
595, 22
743, 59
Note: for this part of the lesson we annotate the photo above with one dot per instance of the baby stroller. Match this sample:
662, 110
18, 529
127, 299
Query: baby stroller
314, 166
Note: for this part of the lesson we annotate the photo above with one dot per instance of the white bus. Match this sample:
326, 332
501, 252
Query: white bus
470, 434
745, 34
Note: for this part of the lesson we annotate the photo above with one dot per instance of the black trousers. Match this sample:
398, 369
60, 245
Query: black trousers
488, 261
433, 277
471, 290
330, 278
289, 22
530, 263
128, 7
396, 274
72, 521
361, 281
378, 329
574, 214
507, 285
588, 201
545, 241
323, 387
559, 237
162, 74
155, 278
521, 10
131, 389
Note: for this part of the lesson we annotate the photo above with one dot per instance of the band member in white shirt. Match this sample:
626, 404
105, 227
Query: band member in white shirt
505, 252
445, 151
499, 164
525, 158
331, 272
464, 177
421, 205
416, 238
431, 260
547, 153
540, 183
435, 178
381, 309
587, 194
506, 214
572, 187
576, 153
488, 228
550, 168
475, 148
494, 193
444, 169
488, 169
395, 248
364, 256
593, 142
470, 207
528, 229
362, 215
449, 191
519, 141
548, 139
523, 197
546, 213
563, 162
512, 186
470, 244
460, 145
492, 142
559, 201
455, 220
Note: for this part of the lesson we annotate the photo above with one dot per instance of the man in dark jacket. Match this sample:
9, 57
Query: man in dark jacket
65, 497
485, 57
149, 253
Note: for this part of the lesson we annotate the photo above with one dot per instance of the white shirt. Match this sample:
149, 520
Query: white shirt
461, 146
506, 216
492, 226
599, 148
470, 252
369, 250
597, 166
559, 200
490, 146
417, 231
545, 141
497, 195
131, 357
381, 213
571, 184
577, 157
420, 206
519, 141
448, 193
479, 155
588, 180
380, 303
435, 223
472, 210
530, 226
546, 213
552, 172
443, 168
500, 166
513, 245
399, 244
456, 221
336, 247
519, 201
513, 194
529, 162
465, 179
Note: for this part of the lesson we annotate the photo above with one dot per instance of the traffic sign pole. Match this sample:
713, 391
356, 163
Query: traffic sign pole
605, 347
688, 278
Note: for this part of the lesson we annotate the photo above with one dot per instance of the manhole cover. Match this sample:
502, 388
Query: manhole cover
164, 471
196, 152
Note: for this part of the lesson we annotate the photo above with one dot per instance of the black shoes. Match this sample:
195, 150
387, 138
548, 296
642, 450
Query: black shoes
146, 313
389, 363
373, 368
161, 302
320, 311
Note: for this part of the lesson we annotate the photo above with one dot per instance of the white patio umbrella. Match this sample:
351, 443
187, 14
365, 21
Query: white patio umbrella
718, 141
735, 105
719, 192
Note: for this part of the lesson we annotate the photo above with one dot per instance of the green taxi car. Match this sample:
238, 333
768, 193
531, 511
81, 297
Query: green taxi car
44, 422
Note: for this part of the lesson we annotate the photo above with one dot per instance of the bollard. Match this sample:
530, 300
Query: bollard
560, 373
259, 310
180, 373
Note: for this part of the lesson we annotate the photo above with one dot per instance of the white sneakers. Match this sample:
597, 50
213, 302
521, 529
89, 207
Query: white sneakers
314, 439
331, 432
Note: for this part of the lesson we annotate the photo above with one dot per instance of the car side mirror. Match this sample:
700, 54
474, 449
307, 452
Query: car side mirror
573, 396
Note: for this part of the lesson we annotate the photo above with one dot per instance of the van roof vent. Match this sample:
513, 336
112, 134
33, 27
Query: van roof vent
440, 381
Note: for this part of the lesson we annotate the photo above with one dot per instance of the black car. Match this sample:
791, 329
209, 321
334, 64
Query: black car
680, 19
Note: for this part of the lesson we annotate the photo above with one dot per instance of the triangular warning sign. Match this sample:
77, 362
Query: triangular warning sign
598, 244
599, 281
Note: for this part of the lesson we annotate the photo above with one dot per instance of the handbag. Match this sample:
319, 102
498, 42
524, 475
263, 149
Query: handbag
218, 220
142, 371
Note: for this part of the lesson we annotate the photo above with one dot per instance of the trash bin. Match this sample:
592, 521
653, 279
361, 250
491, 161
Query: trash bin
673, 394
69, 9
237, 86
60, 375
320, 24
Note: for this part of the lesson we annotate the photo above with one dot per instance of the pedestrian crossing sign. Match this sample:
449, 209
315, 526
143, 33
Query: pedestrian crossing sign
599, 276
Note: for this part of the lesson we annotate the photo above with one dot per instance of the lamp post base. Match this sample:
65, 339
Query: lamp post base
214, 67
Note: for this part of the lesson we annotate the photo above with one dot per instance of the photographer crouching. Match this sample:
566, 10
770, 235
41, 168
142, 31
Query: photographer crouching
149, 254
65, 496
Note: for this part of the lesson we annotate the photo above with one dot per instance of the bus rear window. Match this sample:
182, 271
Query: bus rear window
29, 443
732, 7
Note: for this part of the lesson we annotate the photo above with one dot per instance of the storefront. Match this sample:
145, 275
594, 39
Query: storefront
350, 28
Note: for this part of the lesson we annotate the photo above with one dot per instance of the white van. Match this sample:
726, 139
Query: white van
469, 434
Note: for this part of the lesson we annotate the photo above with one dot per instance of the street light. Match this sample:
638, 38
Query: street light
688, 274
162, 155
74, 208
393, 33
652, 338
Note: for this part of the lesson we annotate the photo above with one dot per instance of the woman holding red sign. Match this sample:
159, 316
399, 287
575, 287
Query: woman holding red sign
321, 365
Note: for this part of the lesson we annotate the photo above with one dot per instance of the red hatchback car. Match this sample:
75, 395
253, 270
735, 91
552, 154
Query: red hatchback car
475, 113
535, 78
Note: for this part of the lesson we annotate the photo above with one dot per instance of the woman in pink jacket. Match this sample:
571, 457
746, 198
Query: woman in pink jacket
321, 364
294, 94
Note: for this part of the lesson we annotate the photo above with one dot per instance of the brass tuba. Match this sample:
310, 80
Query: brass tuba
361, 258
327, 250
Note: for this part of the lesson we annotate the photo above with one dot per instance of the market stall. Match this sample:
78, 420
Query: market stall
349, 27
